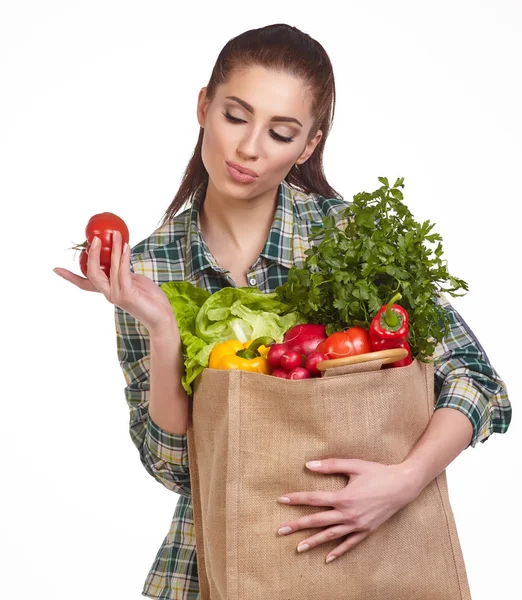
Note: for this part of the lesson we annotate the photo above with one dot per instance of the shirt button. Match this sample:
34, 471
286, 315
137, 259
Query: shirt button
252, 281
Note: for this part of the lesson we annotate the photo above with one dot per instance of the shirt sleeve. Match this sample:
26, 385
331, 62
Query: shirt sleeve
163, 454
465, 380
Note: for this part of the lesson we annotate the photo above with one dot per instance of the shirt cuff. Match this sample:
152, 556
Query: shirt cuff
166, 446
462, 395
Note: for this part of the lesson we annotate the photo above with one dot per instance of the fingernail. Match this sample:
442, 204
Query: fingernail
284, 530
303, 547
125, 247
330, 558
94, 242
284, 499
313, 463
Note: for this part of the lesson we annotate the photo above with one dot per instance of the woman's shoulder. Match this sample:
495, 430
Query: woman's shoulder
161, 255
173, 232
312, 208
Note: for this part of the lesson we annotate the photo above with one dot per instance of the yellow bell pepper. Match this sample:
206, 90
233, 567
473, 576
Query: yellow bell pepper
263, 350
221, 350
231, 362
250, 356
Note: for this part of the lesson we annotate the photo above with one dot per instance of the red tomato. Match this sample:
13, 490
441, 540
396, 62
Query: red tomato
84, 259
102, 226
355, 340
83, 262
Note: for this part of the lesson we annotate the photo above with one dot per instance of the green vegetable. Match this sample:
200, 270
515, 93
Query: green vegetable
205, 320
352, 271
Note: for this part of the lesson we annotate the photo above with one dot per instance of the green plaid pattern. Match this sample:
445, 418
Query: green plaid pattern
464, 378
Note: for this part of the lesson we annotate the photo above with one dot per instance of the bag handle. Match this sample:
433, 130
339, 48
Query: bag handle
385, 356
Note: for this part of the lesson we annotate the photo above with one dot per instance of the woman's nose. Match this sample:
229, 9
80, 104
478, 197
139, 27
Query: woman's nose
249, 147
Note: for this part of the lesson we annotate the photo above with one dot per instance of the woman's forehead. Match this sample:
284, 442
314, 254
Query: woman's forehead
268, 92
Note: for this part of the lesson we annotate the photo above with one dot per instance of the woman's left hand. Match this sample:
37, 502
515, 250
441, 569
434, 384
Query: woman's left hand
374, 493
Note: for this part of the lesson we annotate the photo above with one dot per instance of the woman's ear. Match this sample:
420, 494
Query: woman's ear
309, 148
202, 106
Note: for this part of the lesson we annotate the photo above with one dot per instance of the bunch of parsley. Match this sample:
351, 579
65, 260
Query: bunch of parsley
374, 251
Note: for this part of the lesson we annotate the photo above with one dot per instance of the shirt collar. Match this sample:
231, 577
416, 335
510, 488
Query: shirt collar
278, 247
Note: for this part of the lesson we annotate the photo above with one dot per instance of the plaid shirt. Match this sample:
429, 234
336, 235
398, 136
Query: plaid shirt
176, 251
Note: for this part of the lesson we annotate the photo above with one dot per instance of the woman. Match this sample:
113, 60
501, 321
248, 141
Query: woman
266, 112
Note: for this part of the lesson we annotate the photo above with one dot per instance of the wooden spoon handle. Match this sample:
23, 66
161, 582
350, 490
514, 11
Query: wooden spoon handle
386, 356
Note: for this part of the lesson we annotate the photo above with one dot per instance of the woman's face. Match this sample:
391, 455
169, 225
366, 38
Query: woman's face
256, 141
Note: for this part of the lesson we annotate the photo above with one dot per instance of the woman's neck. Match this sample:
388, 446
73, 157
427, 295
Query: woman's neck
234, 226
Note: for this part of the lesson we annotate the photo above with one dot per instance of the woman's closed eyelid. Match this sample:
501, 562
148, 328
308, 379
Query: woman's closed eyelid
278, 136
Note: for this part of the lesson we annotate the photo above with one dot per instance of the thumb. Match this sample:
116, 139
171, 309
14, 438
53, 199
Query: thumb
81, 282
337, 465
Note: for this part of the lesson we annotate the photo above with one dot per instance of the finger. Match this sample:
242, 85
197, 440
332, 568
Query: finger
78, 281
125, 272
319, 498
323, 519
352, 540
337, 465
94, 272
332, 533
115, 265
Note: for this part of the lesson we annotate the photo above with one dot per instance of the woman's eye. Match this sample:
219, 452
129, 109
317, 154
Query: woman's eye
233, 119
275, 135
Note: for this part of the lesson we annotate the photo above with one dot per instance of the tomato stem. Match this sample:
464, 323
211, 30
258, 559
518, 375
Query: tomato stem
79, 246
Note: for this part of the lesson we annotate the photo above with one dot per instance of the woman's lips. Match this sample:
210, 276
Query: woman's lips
240, 177
242, 169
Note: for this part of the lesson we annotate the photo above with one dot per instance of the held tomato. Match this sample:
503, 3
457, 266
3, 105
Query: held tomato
102, 226
105, 265
84, 257
355, 340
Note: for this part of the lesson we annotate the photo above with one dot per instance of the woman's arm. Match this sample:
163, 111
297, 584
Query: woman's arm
448, 433
168, 404
149, 368
471, 402
466, 381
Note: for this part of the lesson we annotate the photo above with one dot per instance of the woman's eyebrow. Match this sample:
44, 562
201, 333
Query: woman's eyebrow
250, 109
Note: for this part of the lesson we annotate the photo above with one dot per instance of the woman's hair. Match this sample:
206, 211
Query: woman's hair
283, 48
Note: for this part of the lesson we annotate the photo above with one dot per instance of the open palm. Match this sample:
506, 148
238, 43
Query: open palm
134, 293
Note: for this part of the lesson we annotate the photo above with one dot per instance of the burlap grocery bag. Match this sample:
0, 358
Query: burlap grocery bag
249, 437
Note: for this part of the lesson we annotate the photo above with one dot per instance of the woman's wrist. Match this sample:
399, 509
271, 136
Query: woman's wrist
164, 329
413, 476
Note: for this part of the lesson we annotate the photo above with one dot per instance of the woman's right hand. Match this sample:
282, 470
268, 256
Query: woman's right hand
135, 294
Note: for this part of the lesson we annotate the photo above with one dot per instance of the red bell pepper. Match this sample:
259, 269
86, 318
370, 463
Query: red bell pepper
389, 329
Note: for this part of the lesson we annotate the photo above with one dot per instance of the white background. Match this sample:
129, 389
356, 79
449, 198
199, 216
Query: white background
98, 110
